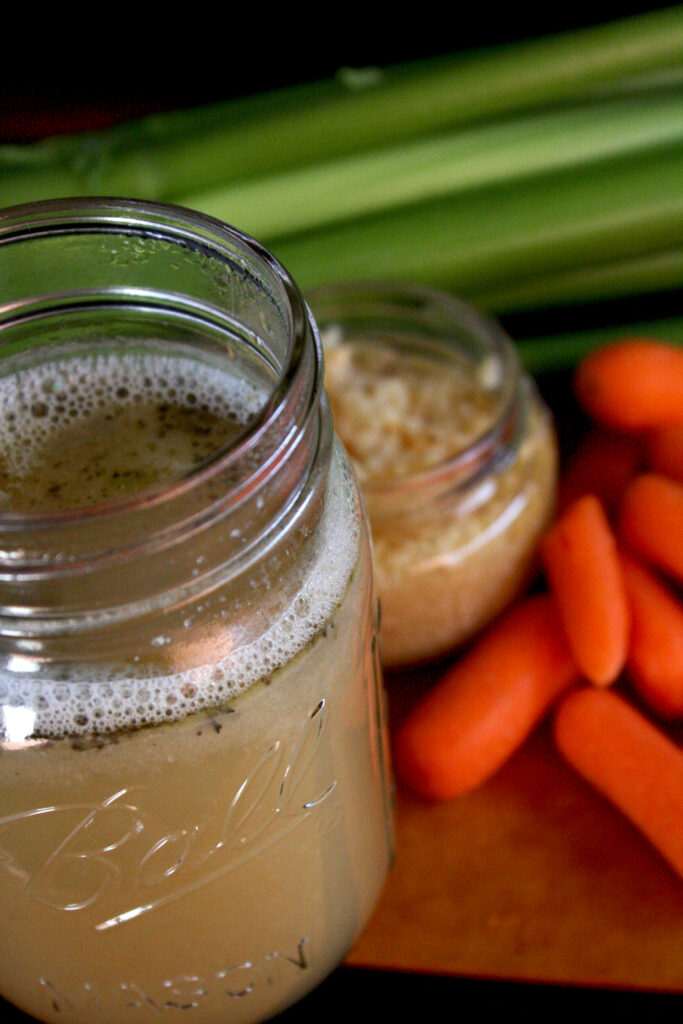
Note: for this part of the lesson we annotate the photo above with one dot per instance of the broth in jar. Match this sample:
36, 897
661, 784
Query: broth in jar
193, 780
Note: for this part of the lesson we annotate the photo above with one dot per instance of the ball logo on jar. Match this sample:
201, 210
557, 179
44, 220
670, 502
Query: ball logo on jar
97, 842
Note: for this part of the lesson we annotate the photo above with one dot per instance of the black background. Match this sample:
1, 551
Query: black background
63, 70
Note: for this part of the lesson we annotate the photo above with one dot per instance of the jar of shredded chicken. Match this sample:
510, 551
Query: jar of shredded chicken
455, 453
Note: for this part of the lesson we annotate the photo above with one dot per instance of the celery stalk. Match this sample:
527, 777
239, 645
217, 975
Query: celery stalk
289, 129
651, 272
483, 239
320, 194
563, 351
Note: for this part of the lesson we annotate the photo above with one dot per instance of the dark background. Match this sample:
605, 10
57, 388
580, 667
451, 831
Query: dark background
71, 71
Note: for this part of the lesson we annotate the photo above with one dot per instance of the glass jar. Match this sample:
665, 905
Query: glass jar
193, 781
455, 452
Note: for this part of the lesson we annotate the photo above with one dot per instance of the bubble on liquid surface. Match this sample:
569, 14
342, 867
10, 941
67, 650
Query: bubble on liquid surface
107, 700
125, 699
88, 430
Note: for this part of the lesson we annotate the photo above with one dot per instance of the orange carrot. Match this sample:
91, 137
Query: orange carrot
651, 522
634, 384
602, 465
629, 761
580, 558
655, 659
664, 451
486, 704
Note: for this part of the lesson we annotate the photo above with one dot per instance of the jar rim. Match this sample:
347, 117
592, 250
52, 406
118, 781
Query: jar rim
358, 302
188, 227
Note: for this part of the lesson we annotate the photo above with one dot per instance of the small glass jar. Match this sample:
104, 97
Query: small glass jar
455, 452
193, 781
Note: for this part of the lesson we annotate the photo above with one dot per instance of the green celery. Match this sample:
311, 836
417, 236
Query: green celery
563, 351
486, 238
350, 114
651, 272
320, 194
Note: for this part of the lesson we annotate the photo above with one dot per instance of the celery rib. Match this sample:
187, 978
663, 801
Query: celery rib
527, 175
289, 129
480, 240
657, 271
321, 194
563, 351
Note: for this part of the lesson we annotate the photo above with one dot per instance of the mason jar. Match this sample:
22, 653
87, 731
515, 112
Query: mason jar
194, 808
455, 451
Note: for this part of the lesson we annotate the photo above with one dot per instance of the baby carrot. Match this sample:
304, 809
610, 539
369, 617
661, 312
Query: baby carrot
486, 704
581, 562
629, 761
603, 464
651, 522
655, 659
634, 384
664, 451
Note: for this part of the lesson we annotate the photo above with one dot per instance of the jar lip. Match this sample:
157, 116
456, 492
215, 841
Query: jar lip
119, 214
373, 299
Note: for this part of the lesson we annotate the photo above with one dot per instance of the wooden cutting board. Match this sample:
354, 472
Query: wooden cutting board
532, 877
